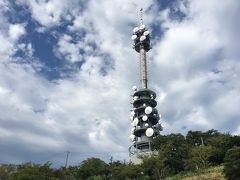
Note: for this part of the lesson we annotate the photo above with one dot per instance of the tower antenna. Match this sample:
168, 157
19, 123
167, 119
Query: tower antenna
141, 16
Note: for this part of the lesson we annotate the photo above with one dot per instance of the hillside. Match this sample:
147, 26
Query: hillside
212, 173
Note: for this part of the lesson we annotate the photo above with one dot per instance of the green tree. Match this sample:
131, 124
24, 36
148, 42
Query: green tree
199, 157
220, 143
232, 164
30, 171
153, 166
131, 171
92, 167
195, 138
6, 170
235, 141
117, 170
174, 149
198, 138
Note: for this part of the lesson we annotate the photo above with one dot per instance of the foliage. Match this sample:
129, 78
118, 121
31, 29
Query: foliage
92, 167
185, 174
232, 163
175, 154
6, 171
153, 166
199, 157
220, 143
29, 171
174, 149
119, 171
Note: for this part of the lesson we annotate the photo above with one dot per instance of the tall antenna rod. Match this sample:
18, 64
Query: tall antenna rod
141, 16
143, 58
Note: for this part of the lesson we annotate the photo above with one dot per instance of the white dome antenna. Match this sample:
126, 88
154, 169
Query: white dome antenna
134, 88
149, 132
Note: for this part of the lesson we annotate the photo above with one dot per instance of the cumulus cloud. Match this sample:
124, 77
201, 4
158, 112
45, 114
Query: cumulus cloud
67, 50
15, 31
47, 13
189, 63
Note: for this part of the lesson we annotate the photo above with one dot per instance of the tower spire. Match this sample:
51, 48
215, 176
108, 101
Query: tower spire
141, 16
141, 39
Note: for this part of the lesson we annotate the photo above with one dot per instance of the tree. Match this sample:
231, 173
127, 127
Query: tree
117, 170
198, 138
195, 138
199, 157
220, 143
174, 149
235, 141
153, 166
132, 171
6, 170
92, 167
232, 163
30, 171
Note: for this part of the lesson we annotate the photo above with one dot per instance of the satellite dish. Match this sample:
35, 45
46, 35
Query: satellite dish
142, 38
135, 122
132, 113
142, 27
149, 132
132, 130
135, 98
146, 124
134, 88
146, 33
131, 118
132, 137
136, 29
134, 37
148, 110
151, 96
145, 118
162, 125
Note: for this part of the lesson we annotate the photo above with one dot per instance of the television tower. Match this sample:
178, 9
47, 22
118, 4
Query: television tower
144, 116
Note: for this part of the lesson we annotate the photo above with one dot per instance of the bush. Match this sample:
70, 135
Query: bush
232, 163
199, 158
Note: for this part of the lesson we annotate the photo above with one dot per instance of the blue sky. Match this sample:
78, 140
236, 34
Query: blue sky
67, 69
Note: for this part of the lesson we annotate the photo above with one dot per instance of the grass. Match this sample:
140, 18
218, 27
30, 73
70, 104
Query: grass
215, 172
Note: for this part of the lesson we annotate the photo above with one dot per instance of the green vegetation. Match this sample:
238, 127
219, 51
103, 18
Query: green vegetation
185, 174
232, 163
177, 157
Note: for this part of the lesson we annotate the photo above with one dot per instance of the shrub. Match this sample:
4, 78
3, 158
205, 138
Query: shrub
232, 164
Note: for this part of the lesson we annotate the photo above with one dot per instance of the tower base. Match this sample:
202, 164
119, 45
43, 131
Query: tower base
137, 158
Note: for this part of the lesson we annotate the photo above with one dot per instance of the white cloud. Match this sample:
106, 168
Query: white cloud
188, 62
67, 50
50, 13
9, 35
16, 31
45, 12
